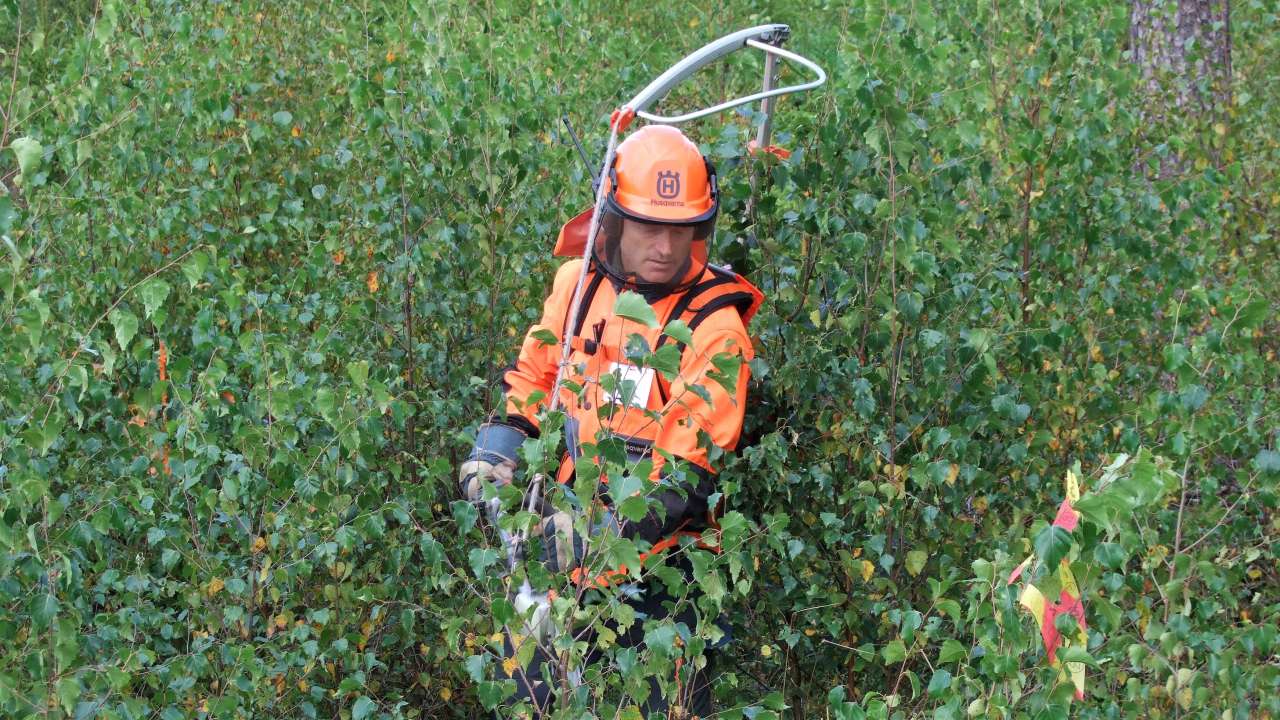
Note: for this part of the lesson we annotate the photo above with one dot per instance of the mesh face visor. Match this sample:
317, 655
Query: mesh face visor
702, 225
609, 241
608, 251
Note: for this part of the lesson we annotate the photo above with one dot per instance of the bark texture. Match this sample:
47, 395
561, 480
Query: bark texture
1183, 51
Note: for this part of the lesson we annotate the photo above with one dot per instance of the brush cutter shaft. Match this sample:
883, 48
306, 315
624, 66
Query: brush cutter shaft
763, 37
766, 105
534, 493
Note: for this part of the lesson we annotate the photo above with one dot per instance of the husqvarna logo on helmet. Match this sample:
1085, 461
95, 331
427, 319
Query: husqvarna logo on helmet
668, 184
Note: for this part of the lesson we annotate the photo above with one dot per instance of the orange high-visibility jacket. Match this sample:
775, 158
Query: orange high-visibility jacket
717, 307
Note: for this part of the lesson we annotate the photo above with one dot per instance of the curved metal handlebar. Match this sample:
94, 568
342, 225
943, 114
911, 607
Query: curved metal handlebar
763, 37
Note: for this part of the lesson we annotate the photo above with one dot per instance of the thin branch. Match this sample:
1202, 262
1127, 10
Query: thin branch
1243, 494
85, 335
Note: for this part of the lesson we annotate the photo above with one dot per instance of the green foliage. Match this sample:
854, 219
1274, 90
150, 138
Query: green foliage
633, 307
263, 263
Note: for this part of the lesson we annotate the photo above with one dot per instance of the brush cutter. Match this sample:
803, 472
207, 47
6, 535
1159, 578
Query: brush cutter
767, 38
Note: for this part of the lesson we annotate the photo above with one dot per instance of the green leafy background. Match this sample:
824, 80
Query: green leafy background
263, 262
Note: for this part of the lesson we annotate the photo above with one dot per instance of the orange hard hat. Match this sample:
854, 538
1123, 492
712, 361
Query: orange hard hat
659, 176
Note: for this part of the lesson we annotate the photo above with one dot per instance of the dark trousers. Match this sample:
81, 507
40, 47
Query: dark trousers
536, 683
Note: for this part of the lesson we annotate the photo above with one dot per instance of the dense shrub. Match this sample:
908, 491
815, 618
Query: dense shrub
263, 262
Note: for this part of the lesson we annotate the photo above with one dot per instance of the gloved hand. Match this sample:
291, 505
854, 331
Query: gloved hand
493, 458
562, 546
473, 473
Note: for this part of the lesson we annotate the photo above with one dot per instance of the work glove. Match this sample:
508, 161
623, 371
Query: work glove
493, 459
473, 473
684, 504
563, 548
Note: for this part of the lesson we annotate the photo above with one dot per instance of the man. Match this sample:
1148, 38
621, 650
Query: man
661, 206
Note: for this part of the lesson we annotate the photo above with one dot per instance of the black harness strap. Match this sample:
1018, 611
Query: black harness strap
587, 297
741, 301
719, 277
682, 305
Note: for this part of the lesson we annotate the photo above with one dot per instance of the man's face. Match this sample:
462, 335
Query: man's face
655, 253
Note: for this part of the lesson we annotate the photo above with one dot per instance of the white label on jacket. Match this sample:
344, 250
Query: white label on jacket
634, 383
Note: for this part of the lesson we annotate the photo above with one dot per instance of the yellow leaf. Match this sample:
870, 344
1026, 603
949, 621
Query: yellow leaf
952, 473
296, 131
607, 638
766, 651
1220, 128
1076, 671
867, 570
1033, 600
517, 640
1068, 579
391, 57
371, 281
509, 666
259, 544
446, 694
1183, 697
1072, 488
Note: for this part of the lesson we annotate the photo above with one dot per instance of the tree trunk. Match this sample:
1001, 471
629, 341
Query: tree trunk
1183, 50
